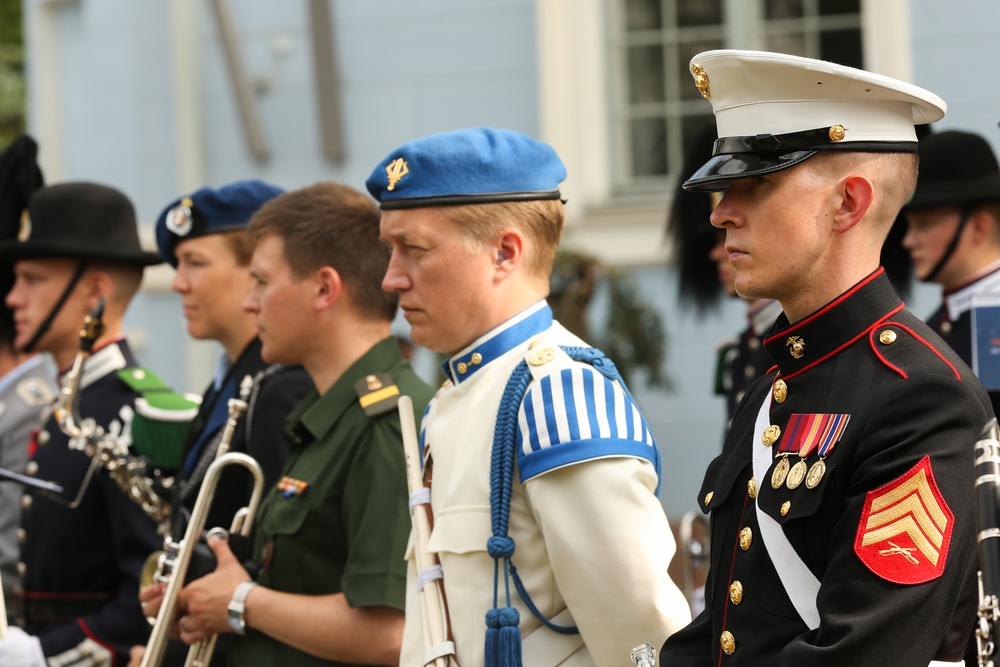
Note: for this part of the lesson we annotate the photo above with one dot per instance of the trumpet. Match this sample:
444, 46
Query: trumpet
173, 563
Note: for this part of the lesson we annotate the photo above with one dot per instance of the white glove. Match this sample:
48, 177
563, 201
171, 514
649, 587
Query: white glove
19, 649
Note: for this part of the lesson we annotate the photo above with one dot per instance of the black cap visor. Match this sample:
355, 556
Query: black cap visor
716, 174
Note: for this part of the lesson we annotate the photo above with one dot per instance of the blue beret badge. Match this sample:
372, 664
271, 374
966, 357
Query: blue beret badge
395, 171
179, 220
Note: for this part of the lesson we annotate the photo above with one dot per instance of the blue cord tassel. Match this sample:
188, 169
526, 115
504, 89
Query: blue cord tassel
503, 638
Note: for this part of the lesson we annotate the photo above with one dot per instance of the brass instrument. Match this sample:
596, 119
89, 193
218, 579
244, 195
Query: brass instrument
137, 479
987, 461
173, 563
693, 558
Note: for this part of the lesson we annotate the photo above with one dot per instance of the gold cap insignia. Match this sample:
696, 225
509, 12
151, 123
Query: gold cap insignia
395, 171
701, 81
837, 133
796, 346
179, 220
24, 232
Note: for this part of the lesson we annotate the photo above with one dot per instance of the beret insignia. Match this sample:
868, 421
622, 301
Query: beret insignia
179, 220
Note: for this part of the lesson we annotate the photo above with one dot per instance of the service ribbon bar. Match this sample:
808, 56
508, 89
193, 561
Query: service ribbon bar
808, 432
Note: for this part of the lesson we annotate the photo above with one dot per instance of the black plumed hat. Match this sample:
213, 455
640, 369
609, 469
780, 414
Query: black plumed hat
19, 177
80, 221
692, 234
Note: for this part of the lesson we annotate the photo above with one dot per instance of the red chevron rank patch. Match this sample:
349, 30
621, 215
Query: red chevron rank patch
905, 528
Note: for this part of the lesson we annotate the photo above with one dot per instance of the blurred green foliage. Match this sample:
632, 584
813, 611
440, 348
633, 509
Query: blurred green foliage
632, 333
12, 90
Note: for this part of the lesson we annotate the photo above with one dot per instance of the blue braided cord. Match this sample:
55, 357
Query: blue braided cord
502, 461
523, 592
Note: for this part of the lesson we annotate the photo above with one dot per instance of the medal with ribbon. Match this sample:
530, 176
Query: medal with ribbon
813, 432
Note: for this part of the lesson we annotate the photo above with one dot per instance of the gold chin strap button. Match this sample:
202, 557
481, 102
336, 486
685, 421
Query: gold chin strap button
728, 642
837, 133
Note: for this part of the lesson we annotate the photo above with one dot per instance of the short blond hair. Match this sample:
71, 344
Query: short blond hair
541, 221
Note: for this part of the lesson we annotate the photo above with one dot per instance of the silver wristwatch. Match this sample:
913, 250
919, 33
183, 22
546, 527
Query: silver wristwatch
237, 607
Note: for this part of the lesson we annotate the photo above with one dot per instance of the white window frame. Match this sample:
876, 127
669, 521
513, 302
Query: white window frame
574, 115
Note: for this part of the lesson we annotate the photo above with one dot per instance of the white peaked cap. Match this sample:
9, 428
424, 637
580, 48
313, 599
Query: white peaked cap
774, 110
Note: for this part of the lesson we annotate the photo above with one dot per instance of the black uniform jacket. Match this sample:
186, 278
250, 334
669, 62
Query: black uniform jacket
276, 391
897, 569
82, 565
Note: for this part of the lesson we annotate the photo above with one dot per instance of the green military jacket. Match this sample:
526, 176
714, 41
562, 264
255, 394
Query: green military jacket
338, 520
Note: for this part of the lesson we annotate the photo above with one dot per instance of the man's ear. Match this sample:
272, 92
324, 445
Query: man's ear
96, 283
510, 250
856, 195
329, 287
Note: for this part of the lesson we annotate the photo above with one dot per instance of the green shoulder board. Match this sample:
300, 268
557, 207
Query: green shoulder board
377, 393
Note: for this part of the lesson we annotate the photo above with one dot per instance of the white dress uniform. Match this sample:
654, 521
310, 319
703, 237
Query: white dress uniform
590, 534
26, 392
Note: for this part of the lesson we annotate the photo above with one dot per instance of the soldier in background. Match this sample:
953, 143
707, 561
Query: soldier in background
331, 535
953, 237
26, 382
78, 244
203, 236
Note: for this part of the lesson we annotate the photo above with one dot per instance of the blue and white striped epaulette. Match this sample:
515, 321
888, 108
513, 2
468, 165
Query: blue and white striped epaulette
577, 408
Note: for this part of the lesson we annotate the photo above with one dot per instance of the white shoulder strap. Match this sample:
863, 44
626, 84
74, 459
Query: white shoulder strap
801, 585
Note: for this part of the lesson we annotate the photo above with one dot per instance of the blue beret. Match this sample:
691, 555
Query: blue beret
210, 211
477, 166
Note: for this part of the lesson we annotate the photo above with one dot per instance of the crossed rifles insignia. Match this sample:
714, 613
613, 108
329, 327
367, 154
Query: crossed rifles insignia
905, 528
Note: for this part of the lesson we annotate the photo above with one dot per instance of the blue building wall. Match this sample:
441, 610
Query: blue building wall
407, 69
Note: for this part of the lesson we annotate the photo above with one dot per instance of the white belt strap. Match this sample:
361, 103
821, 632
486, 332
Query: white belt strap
441, 650
545, 647
801, 585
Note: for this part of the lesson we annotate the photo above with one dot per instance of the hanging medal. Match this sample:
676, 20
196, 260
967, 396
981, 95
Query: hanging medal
780, 472
802, 437
832, 435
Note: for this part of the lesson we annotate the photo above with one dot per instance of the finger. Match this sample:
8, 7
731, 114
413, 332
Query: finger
220, 547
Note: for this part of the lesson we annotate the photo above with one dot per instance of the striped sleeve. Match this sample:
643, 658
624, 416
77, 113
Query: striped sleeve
576, 414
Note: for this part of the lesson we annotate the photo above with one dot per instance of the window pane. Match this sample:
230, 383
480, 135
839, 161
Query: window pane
839, 7
645, 74
841, 46
783, 9
698, 12
643, 15
792, 43
685, 52
649, 147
